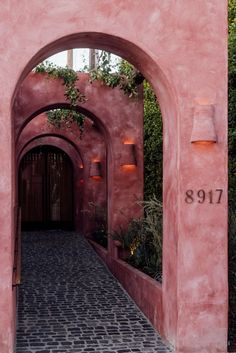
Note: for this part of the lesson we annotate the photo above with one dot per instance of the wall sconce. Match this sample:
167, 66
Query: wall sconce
95, 170
128, 157
203, 131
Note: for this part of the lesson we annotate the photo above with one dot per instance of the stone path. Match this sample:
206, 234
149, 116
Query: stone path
70, 303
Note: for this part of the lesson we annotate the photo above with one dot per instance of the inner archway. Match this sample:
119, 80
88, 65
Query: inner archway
46, 189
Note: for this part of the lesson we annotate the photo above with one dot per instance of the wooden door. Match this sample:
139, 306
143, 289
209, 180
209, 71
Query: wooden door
46, 189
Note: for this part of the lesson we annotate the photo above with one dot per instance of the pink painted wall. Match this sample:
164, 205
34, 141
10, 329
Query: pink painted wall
117, 118
81, 151
180, 46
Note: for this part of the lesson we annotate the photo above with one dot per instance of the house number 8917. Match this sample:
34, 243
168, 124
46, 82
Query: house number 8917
203, 196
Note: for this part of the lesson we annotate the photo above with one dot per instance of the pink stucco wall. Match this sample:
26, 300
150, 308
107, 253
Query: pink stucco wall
180, 46
116, 118
81, 152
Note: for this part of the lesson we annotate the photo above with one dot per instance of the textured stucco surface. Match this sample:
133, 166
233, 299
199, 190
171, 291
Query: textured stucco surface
116, 117
180, 46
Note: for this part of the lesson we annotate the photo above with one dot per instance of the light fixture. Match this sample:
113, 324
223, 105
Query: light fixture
128, 157
95, 170
203, 131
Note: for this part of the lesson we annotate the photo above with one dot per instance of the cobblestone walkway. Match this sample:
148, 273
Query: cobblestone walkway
70, 303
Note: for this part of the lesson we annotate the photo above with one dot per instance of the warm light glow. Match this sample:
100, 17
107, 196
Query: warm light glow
128, 167
96, 160
128, 142
95, 170
96, 177
128, 157
203, 143
81, 166
133, 247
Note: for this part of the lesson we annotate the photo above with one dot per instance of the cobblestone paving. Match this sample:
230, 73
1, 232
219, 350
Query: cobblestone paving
70, 303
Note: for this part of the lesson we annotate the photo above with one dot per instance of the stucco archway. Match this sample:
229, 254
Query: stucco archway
46, 189
90, 146
75, 157
177, 49
116, 118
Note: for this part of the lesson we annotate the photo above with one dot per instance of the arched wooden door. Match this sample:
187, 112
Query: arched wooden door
46, 189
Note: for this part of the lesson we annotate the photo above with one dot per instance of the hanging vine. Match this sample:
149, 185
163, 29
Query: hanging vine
122, 75
72, 94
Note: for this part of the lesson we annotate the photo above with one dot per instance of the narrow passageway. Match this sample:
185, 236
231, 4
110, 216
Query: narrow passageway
69, 302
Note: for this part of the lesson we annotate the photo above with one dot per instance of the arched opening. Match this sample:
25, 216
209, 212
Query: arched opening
89, 190
166, 97
46, 189
76, 157
166, 41
164, 91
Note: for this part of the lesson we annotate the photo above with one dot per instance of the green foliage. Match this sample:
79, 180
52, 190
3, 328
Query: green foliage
72, 94
130, 236
148, 253
143, 238
152, 145
125, 76
65, 118
69, 77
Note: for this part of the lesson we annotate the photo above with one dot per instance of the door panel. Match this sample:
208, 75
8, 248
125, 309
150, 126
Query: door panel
46, 189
